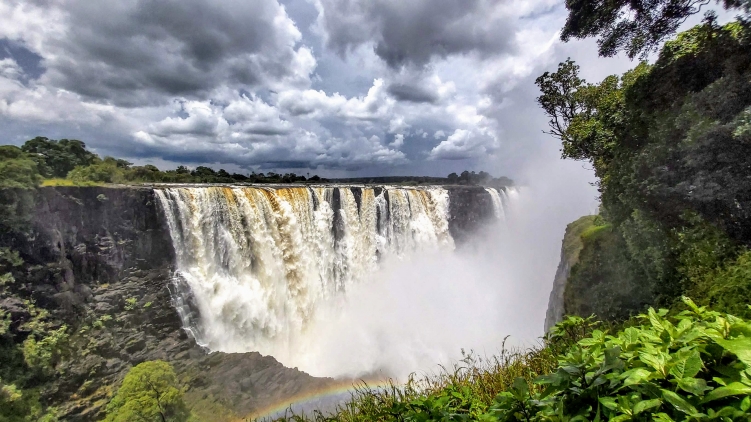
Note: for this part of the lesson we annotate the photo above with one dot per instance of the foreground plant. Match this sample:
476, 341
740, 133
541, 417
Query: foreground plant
694, 366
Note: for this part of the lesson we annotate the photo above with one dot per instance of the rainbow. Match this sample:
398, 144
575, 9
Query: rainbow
310, 397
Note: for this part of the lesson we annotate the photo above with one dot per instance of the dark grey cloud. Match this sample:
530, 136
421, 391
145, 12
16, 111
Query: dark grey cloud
416, 31
141, 52
412, 93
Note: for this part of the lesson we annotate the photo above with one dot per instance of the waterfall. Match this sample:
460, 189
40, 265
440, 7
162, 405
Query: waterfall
256, 263
497, 203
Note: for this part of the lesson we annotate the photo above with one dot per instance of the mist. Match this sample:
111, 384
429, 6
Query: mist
419, 312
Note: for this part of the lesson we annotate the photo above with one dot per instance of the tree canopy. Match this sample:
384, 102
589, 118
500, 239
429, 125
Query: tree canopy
59, 157
670, 144
149, 393
636, 27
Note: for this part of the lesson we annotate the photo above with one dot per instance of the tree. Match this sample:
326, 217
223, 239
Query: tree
59, 157
634, 26
453, 178
670, 144
17, 169
149, 393
100, 172
587, 118
464, 177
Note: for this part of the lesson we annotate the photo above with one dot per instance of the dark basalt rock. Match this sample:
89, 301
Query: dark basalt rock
470, 208
101, 260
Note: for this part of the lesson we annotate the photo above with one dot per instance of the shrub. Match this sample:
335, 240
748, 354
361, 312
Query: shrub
149, 393
45, 354
695, 366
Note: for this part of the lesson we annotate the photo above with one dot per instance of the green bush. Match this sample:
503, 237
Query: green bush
44, 354
149, 392
729, 288
695, 366
101, 172
605, 281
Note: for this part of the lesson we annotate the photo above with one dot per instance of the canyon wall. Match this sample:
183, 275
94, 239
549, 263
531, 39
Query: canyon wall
102, 260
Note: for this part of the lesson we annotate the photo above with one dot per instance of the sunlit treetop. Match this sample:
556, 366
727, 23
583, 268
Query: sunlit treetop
636, 27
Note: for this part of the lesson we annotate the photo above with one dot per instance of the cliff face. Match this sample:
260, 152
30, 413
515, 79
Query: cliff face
470, 207
101, 259
572, 246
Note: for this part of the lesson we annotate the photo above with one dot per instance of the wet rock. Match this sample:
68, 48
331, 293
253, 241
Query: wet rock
104, 268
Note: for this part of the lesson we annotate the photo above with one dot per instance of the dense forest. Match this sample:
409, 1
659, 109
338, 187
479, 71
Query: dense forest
670, 143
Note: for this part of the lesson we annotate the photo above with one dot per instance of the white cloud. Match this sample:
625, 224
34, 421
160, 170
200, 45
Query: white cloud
464, 144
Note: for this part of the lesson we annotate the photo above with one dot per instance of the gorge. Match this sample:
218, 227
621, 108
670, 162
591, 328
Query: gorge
178, 270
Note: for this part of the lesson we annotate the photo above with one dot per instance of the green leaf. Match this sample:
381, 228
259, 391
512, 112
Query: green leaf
611, 358
719, 381
687, 366
646, 404
635, 376
521, 388
732, 389
555, 379
740, 347
679, 402
746, 404
662, 417
695, 386
690, 303
655, 320
609, 402
630, 335
657, 362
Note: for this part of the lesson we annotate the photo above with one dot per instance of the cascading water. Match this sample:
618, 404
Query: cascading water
257, 263
497, 203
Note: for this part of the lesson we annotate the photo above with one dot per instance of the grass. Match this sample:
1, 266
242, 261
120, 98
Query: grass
594, 232
572, 241
474, 380
68, 182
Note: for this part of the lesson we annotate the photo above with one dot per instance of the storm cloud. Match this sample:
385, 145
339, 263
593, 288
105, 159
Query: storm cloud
414, 32
338, 87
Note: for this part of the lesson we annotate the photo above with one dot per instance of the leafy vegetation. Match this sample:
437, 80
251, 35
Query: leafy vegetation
636, 27
693, 366
67, 162
150, 393
669, 143
24, 367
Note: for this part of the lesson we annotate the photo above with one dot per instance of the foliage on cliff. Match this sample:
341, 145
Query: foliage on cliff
694, 366
149, 393
68, 162
671, 147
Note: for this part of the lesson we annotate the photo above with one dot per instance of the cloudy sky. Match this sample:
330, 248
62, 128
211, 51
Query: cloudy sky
334, 87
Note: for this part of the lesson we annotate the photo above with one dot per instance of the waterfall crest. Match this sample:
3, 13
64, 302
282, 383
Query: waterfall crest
257, 262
